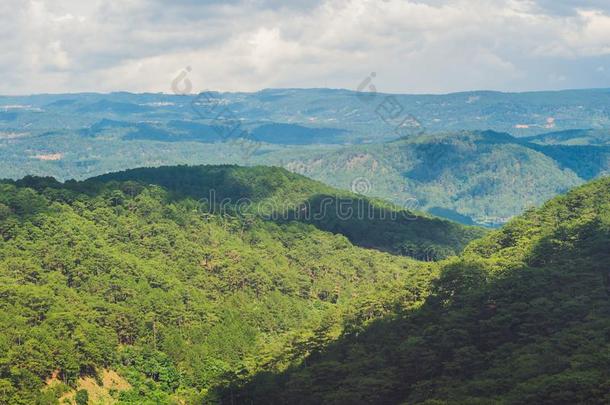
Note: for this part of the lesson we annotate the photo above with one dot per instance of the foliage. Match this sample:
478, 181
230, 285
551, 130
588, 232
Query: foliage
82, 397
520, 318
129, 272
274, 193
130, 276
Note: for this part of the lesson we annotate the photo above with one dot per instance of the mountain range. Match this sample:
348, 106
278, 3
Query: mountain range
190, 285
474, 177
520, 318
477, 157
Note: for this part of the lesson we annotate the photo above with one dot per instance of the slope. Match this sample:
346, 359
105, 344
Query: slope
276, 194
598, 137
473, 177
118, 275
522, 317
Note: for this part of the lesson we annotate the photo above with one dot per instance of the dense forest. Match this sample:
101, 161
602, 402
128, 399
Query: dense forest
154, 285
275, 194
522, 317
481, 177
136, 288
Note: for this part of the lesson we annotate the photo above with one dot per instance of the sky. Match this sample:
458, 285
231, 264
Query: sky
409, 46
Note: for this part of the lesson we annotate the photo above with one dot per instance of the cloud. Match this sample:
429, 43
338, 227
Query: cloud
412, 45
570, 7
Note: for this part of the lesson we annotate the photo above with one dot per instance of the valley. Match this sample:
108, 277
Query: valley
136, 287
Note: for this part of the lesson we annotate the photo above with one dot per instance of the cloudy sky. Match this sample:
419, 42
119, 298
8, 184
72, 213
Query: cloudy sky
413, 46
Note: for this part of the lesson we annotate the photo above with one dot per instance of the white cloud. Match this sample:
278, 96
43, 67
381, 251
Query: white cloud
413, 45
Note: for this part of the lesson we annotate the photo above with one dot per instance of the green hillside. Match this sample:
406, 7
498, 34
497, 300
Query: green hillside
273, 193
132, 288
471, 177
522, 317
136, 275
599, 137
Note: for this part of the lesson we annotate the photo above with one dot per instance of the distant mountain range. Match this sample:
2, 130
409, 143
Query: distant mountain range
476, 157
355, 116
598, 137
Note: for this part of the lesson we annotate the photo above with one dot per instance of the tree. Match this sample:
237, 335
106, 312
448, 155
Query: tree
81, 397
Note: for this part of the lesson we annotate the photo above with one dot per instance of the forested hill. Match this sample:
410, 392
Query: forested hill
482, 177
123, 290
117, 290
596, 137
522, 317
277, 194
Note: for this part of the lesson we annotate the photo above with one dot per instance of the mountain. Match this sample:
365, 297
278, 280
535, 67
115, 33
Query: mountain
481, 177
278, 195
78, 136
159, 285
187, 285
86, 134
520, 318
358, 113
597, 137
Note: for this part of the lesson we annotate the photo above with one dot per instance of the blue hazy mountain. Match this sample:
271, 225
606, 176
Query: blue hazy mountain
354, 116
477, 157
596, 137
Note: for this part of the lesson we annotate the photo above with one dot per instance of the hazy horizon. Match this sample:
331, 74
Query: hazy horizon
194, 93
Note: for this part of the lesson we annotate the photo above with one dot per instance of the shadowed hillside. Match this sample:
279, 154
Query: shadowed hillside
137, 276
521, 318
275, 193
481, 177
